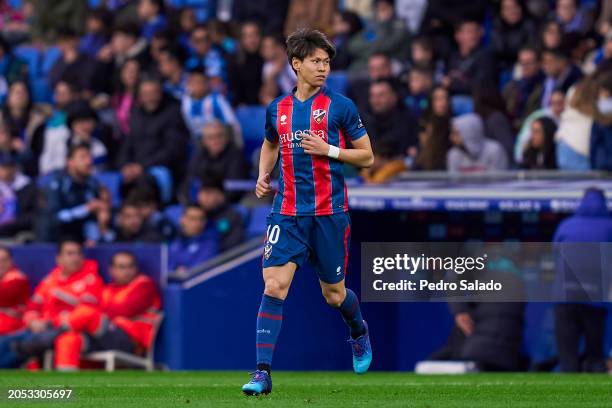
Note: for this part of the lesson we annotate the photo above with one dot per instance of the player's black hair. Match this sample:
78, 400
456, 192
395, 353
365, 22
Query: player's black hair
304, 42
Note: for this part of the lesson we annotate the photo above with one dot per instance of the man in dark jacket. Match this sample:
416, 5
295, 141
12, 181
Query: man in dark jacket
590, 223
217, 157
70, 199
471, 64
24, 190
158, 136
390, 125
245, 67
73, 64
196, 243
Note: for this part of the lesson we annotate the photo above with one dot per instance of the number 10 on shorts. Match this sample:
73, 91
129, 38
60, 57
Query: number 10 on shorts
273, 233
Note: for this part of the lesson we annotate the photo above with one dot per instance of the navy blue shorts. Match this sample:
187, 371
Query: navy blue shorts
322, 240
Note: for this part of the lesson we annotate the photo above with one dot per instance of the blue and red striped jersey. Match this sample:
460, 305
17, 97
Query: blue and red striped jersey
311, 185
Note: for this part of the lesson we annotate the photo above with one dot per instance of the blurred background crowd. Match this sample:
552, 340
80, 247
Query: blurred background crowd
113, 111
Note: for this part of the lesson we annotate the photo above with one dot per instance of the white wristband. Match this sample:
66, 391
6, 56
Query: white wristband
334, 152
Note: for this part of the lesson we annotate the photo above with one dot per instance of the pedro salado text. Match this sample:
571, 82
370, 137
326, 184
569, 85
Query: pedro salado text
428, 265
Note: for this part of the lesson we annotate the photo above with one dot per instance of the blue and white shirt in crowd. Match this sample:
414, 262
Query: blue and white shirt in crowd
213, 106
177, 90
213, 62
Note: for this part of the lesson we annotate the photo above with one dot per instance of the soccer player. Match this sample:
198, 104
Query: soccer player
312, 127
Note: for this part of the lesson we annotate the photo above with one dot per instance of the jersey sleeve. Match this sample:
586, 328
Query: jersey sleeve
351, 122
270, 130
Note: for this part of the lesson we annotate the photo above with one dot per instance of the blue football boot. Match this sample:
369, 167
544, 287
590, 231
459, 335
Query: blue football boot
362, 351
261, 383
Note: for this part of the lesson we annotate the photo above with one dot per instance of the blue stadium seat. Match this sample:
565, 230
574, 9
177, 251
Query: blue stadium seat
504, 77
338, 81
257, 223
50, 57
16, 4
112, 181
244, 212
252, 120
462, 104
41, 90
174, 213
164, 182
32, 56
95, 3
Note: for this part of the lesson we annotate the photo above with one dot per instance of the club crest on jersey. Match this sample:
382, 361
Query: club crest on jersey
267, 251
319, 114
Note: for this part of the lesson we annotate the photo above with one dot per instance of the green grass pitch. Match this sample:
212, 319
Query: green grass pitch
126, 389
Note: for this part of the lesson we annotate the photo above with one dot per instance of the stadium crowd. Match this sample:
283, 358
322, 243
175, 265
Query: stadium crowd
114, 111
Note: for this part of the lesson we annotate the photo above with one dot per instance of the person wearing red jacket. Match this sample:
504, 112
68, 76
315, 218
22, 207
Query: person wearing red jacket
75, 281
14, 293
124, 320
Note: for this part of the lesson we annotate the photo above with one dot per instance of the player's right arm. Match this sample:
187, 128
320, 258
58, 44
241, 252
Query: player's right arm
267, 157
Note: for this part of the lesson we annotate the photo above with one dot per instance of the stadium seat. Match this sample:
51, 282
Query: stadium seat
16, 4
252, 121
164, 182
257, 223
112, 181
338, 82
174, 213
244, 212
41, 90
32, 56
462, 104
114, 358
49, 58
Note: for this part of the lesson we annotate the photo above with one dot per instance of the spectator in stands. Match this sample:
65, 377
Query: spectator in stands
270, 14
317, 15
434, 136
217, 156
201, 105
51, 17
472, 150
171, 61
158, 137
553, 111
161, 41
389, 124
386, 34
12, 145
228, 223
346, 24
19, 114
26, 194
85, 128
221, 38
512, 30
601, 132
97, 31
124, 94
277, 75
151, 13
130, 226
551, 36
203, 54
540, 153
379, 67
574, 133
50, 140
573, 321
470, 65
522, 94
560, 72
489, 105
78, 282
420, 84
245, 67
70, 198
126, 44
124, 320
197, 241
147, 200
571, 17
11, 68
14, 294
73, 64
392, 130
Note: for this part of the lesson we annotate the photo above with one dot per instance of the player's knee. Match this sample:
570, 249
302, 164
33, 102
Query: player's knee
275, 288
333, 298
